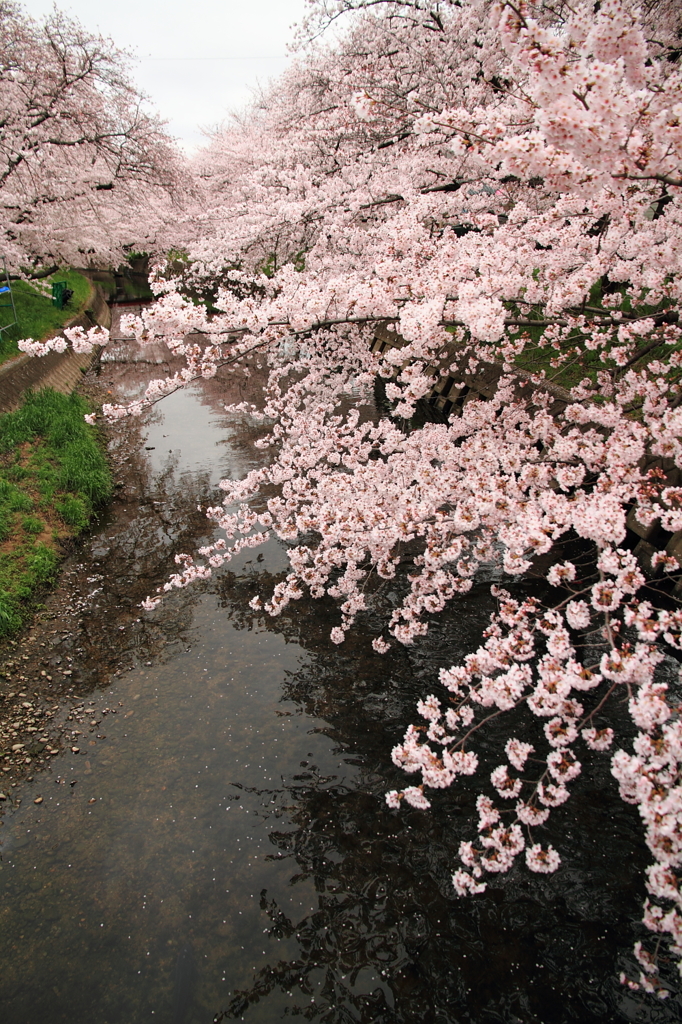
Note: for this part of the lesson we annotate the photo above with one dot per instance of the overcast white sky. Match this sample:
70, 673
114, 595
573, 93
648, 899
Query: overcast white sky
198, 59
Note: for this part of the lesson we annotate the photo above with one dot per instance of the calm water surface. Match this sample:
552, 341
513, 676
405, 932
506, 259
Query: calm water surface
227, 854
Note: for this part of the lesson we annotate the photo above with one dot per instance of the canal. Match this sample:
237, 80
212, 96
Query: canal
212, 842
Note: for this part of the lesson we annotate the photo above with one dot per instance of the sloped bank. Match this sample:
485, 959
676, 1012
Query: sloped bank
53, 471
53, 477
80, 637
60, 371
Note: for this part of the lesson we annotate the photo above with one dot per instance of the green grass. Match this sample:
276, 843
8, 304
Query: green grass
37, 318
32, 525
53, 475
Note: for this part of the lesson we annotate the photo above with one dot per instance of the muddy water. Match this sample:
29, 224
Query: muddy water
218, 848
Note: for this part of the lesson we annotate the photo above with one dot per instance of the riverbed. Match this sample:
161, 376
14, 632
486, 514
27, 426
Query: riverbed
212, 841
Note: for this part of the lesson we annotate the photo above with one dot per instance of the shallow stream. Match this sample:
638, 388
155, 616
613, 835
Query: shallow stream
220, 849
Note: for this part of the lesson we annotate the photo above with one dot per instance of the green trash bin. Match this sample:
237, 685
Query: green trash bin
61, 293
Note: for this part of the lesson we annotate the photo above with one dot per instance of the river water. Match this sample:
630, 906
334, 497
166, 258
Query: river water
223, 850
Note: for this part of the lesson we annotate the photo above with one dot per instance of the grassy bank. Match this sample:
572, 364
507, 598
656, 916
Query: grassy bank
37, 318
53, 476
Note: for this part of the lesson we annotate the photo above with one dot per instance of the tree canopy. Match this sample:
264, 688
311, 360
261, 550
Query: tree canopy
455, 189
85, 167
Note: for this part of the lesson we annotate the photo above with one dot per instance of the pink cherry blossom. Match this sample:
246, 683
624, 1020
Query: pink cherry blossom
518, 752
543, 861
598, 739
506, 786
85, 167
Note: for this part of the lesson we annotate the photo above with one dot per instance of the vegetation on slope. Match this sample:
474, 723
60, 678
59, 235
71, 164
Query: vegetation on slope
53, 477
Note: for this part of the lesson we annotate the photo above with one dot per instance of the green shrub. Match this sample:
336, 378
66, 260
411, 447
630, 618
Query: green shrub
84, 469
10, 618
75, 512
12, 499
42, 563
32, 524
6, 523
20, 502
59, 420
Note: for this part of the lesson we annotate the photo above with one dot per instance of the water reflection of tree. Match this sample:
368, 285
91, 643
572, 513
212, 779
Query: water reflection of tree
388, 944
388, 941
135, 548
134, 555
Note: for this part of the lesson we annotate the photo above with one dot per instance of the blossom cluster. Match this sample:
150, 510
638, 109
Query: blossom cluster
82, 341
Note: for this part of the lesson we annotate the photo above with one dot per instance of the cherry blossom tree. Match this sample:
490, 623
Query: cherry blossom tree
449, 189
84, 167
